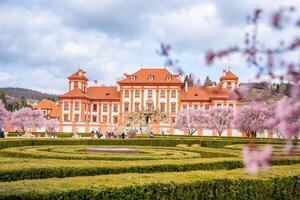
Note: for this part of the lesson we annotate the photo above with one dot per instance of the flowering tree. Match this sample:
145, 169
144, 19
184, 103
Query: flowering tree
51, 125
277, 59
27, 119
220, 119
253, 117
191, 120
4, 116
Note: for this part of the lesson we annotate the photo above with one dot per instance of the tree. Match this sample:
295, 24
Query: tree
51, 125
4, 116
3, 98
191, 120
207, 82
253, 117
220, 119
27, 119
23, 102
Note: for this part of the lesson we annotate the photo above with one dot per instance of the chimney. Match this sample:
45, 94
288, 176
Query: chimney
95, 82
185, 85
224, 72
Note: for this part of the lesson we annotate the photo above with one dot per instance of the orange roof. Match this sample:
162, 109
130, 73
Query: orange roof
46, 104
102, 92
203, 94
160, 75
75, 93
228, 76
79, 74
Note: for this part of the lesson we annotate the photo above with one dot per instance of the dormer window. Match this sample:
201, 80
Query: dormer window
169, 78
151, 78
133, 78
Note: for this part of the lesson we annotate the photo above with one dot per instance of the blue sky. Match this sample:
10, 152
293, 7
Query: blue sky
42, 42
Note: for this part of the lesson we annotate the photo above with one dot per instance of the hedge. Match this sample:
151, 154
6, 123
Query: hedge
168, 142
61, 172
237, 186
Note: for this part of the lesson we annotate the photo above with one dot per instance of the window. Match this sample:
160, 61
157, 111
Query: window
94, 107
151, 78
133, 78
94, 118
137, 93
115, 119
76, 118
219, 105
76, 105
163, 107
206, 107
163, 94
105, 107
169, 78
173, 107
104, 118
149, 93
126, 107
126, 93
231, 105
66, 106
173, 94
66, 117
229, 85
173, 119
116, 108
76, 84
184, 106
137, 107
195, 106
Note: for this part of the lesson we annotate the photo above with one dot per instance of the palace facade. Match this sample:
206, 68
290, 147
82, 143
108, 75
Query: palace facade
85, 108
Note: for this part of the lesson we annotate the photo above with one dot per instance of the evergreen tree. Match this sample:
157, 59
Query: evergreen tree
23, 102
207, 81
3, 98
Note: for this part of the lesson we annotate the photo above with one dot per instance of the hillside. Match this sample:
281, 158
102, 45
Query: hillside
17, 93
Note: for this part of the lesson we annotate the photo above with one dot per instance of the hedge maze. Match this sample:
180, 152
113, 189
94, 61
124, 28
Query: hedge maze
165, 168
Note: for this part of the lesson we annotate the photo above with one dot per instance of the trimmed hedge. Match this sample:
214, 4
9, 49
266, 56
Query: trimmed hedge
61, 172
223, 189
167, 142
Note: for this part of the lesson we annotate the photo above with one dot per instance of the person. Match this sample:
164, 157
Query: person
92, 134
151, 135
123, 135
2, 135
99, 135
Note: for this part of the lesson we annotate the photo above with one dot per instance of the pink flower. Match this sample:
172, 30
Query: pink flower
254, 159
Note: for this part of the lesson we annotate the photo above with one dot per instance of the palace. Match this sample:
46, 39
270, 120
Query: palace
85, 108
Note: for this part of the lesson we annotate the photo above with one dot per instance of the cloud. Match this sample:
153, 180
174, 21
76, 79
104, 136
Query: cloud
6, 77
42, 42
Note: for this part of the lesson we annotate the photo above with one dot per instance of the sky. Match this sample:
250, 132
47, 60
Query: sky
42, 42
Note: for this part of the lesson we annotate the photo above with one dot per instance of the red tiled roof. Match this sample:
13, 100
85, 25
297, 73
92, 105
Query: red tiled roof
160, 76
109, 93
229, 76
79, 74
203, 93
46, 104
75, 93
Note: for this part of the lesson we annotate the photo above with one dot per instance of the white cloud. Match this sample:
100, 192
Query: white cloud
6, 77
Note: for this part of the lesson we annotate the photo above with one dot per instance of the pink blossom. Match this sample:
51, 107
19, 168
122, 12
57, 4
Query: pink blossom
4, 116
191, 120
254, 159
220, 119
27, 119
253, 117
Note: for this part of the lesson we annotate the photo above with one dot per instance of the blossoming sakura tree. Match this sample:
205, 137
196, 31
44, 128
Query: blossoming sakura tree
219, 119
253, 117
191, 120
4, 116
27, 119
